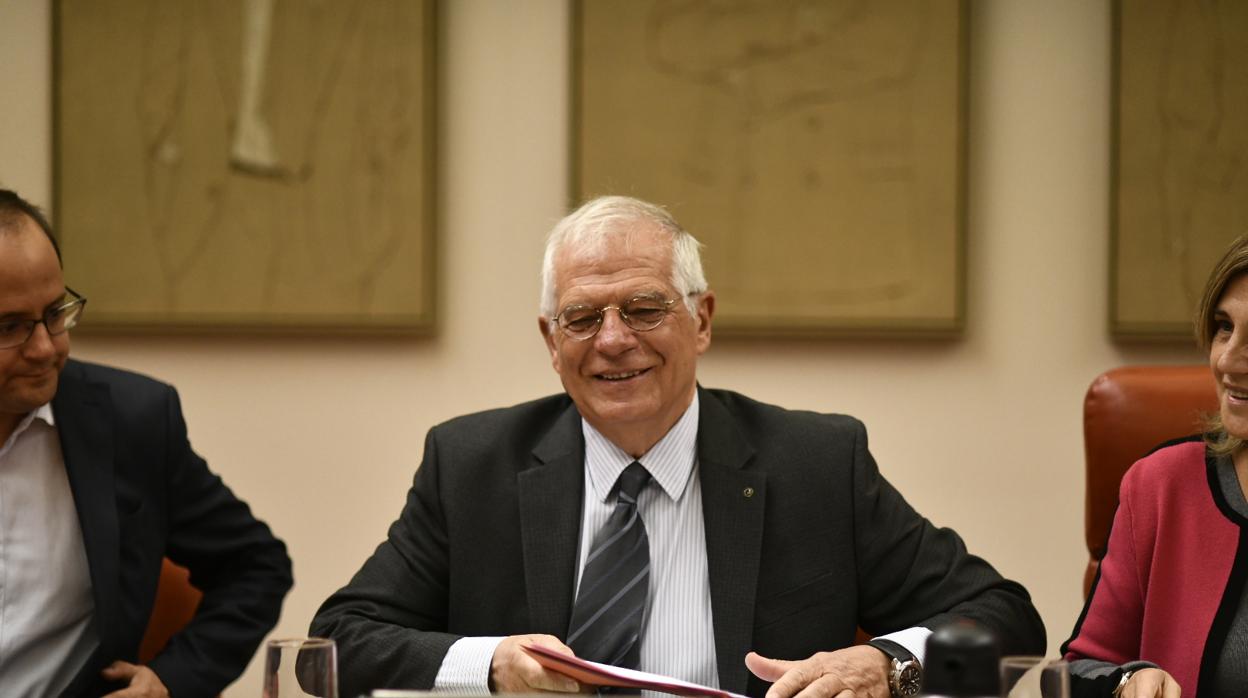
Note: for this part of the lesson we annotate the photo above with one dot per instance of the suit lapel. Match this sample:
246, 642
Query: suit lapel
81, 410
550, 523
732, 507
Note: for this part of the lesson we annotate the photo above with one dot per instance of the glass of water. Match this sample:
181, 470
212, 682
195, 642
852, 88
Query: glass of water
298, 667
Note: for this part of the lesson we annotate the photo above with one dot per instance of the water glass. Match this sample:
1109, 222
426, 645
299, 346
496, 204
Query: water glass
298, 667
1034, 677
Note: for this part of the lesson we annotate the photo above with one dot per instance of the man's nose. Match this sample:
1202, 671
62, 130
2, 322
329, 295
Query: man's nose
40, 342
615, 334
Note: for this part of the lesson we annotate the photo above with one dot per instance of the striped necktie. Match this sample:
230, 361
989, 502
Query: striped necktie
611, 600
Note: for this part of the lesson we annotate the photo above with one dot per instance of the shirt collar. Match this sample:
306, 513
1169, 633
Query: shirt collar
670, 461
43, 413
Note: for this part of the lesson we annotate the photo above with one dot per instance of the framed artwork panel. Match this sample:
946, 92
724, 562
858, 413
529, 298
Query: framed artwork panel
816, 149
1180, 163
249, 165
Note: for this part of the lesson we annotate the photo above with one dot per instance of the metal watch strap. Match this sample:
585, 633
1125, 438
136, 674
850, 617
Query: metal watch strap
902, 660
1122, 683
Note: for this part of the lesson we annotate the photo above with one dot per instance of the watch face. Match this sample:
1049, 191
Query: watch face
909, 679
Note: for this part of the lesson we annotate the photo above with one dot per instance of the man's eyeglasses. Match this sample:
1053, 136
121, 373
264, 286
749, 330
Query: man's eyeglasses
58, 320
644, 313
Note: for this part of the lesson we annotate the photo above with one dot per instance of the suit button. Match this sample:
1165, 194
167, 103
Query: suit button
748, 492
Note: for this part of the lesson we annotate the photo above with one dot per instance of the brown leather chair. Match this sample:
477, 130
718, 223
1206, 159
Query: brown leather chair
176, 602
1126, 413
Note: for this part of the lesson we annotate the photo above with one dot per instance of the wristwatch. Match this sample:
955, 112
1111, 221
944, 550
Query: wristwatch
906, 675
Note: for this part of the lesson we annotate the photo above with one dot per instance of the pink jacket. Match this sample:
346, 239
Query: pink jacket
1171, 551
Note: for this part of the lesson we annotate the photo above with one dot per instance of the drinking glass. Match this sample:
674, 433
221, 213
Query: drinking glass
298, 667
1034, 677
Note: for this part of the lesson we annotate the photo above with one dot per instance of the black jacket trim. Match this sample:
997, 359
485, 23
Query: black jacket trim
1232, 595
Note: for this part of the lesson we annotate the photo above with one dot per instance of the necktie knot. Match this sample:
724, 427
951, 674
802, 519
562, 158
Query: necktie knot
632, 481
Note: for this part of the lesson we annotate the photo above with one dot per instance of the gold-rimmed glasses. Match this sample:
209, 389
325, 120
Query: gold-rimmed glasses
642, 314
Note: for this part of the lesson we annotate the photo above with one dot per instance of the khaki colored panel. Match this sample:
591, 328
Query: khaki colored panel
1181, 169
814, 147
252, 164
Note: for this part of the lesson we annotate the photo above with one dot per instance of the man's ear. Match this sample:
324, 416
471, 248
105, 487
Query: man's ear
548, 335
706, 309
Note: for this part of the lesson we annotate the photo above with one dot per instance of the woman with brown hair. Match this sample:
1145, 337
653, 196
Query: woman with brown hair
1168, 607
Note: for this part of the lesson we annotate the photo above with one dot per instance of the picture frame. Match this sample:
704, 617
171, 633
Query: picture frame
1180, 159
816, 149
247, 165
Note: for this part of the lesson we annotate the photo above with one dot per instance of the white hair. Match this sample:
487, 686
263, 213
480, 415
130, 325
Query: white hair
597, 221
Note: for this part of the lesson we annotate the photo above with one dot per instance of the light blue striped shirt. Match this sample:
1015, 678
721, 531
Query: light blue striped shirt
677, 637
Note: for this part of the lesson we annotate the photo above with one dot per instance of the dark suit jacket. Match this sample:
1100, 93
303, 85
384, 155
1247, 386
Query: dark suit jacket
487, 542
142, 494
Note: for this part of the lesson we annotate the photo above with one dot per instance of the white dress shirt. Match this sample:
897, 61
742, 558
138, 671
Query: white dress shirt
46, 607
678, 636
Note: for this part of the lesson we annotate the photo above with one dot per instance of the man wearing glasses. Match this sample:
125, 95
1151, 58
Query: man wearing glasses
646, 522
97, 484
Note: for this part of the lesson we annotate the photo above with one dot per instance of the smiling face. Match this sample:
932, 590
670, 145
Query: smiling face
1228, 356
631, 386
30, 284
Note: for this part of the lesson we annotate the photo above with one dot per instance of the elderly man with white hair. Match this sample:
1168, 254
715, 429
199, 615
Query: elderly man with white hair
644, 521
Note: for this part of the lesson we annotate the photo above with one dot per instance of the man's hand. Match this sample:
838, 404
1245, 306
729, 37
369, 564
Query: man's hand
513, 671
142, 682
861, 672
1151, 683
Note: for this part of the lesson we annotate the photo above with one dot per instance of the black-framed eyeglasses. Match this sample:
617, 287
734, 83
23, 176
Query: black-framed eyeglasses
643, 313
58, 320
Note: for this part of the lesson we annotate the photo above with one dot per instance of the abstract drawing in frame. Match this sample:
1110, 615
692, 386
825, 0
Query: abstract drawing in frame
816, 148
250, 165
1180, 158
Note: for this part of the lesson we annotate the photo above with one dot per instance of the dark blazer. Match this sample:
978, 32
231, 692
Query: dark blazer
142, 494
805, 542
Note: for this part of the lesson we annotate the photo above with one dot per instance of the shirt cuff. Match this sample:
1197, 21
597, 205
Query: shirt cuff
466, 666
913, 639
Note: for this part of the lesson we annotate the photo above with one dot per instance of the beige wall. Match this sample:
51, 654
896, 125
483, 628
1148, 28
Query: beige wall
982, 434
